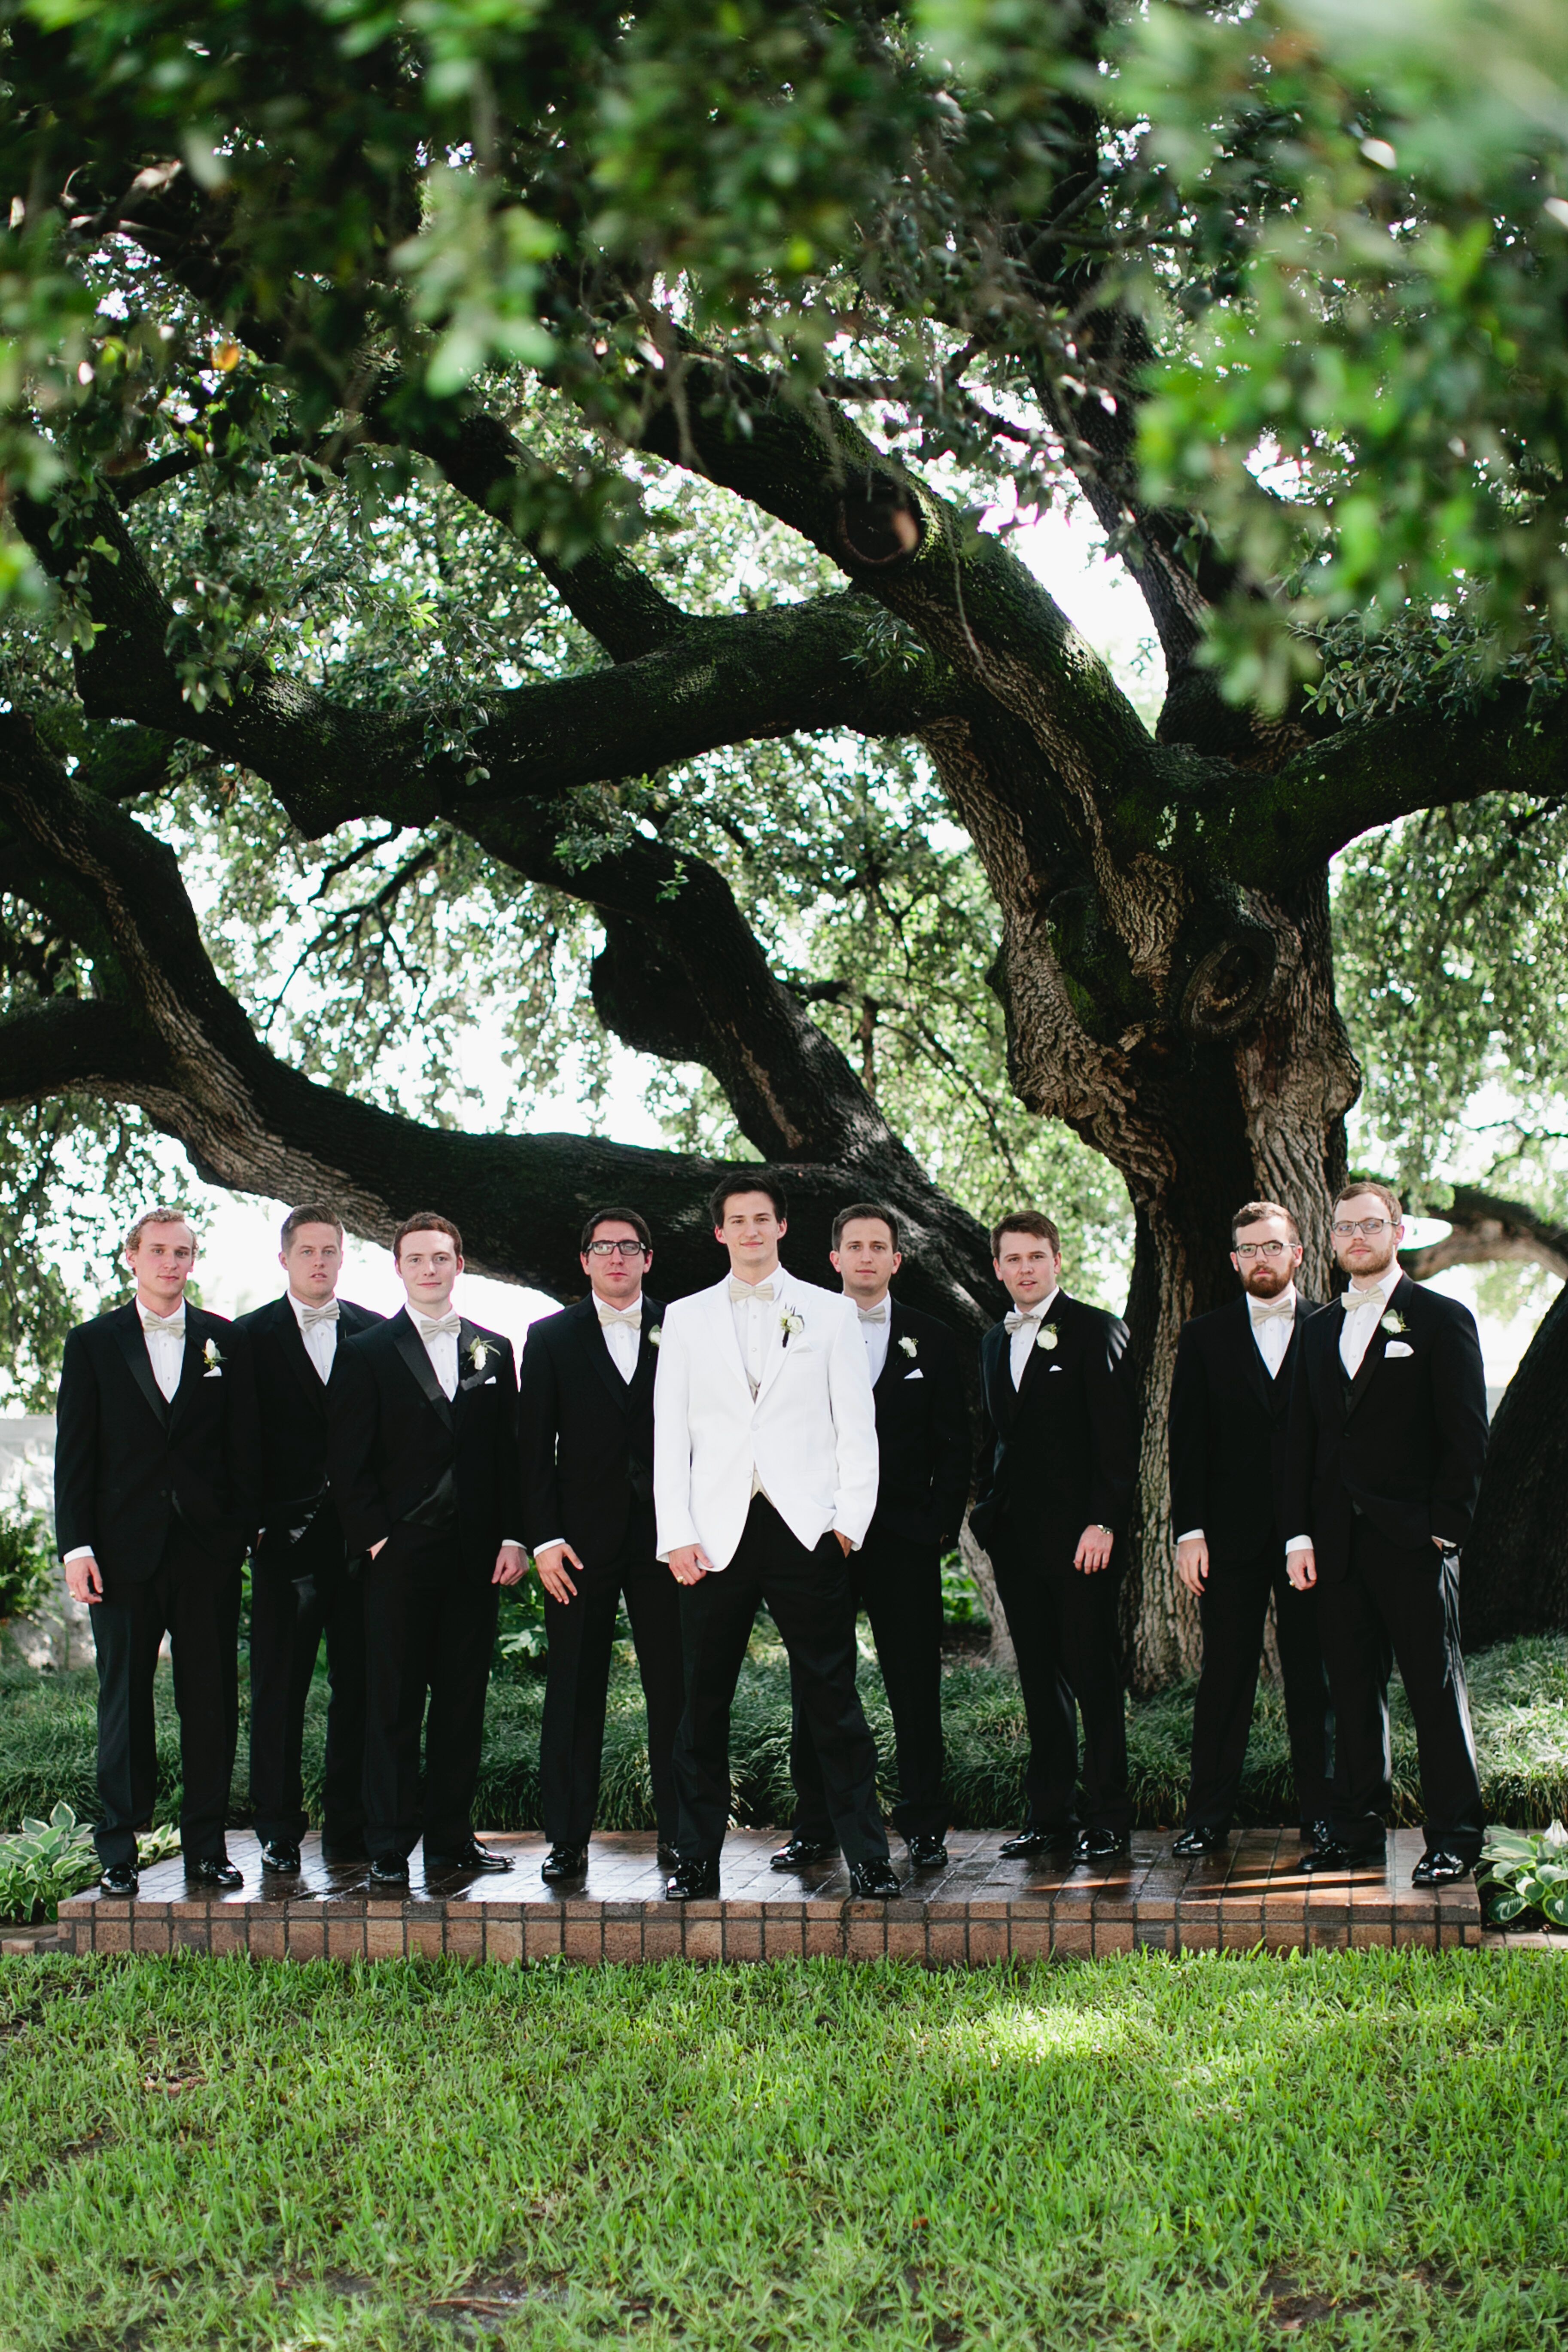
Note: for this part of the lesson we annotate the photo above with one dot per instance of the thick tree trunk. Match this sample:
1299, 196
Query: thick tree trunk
1515, 1570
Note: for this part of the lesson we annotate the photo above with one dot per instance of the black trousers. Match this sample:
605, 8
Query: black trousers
1393, 1596
298, 1593
194, 1599
1233, 1608
899, 1585
430, 1630
582, 1636
808, 1595
1063, 1625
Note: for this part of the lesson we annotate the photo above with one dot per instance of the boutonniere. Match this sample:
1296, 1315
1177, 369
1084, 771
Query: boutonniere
790, 1324
1395, 1324
211, 1357
1048, 1337
654, 1336
908, 1344
479, 1354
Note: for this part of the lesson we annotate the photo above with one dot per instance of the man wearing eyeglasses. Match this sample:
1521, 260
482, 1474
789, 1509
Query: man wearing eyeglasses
1388, 1431
1230, 1404
585, 1431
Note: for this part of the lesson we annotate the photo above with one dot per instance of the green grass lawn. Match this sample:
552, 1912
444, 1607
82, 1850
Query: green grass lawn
1365, 2149
1519, 1695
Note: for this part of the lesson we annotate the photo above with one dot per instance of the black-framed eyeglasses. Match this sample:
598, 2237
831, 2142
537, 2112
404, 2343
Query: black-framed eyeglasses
1261, 1249
621, 1249
1370, 1226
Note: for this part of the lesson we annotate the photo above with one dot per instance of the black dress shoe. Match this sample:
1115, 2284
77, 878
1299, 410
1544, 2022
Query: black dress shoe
1035, 1842
692, 1882
278, 1855
926, 1851
1333, 1855
120, 1878
1197, 1841
1099, 1846
874, 1882
390, 1870
802, 1850
214, 1870
1439, 1867
472, 1856
564, 1862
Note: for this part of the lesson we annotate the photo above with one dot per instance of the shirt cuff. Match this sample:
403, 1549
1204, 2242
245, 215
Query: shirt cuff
514, 1541
1300, 1543
551, 1543
1194, 1535
78, 1551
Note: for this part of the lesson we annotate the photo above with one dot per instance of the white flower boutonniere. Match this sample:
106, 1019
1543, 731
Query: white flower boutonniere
908, 1344
211, 1358
1395, 1324
655, 1335
790, 1324
480, 1354
1048, 1337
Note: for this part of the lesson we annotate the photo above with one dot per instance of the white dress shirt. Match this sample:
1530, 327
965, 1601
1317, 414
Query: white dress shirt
623, 1339
757, 1322
1028, 1335
321, 1337
877, 1330
441, 1346
1361, 1312
1271, 1327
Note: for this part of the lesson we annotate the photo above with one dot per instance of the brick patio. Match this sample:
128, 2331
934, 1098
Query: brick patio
978, 1909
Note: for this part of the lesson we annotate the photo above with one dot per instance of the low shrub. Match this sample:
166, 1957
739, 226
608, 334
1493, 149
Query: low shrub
43, 1863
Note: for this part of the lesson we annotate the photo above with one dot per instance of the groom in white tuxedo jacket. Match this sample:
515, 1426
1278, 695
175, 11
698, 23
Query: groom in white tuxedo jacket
764, 1480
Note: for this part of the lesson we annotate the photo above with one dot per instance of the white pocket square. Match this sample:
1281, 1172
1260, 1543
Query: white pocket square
1056, 1368
489, 1381
214, 1375
916, 1375
1398, 1347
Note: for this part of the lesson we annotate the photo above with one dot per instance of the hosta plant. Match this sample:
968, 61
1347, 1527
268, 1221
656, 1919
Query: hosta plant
1527, 1871
43, 1863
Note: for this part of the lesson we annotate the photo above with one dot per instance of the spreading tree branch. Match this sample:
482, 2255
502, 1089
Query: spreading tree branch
1486, 1231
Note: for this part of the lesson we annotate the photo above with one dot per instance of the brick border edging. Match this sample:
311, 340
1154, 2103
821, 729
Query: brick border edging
953, 1935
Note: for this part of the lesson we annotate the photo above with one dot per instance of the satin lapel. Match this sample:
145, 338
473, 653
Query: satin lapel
894, 1335
1002, 1394
773, 1361
292, 1343
1255, 1369
647, 1355
192, 1362
134, 1347
596, 1347
1039, 1357
412, 1350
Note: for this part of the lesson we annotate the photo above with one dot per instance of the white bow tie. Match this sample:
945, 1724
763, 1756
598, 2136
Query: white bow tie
877, 1314
740, 1291
1020, 1316
1351, 1299
311, 1315
1260, 1309
447, 1328
172, 1327
630, 1316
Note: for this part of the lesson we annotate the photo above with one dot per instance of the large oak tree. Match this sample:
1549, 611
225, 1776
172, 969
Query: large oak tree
842, 264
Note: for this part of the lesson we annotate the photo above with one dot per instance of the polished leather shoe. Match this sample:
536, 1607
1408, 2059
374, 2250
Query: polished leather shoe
926, 1852
472, 1856
278, 1855
389, 1870
692, 1882
1333, 1855
1439, 1868
214, 1870
564, 1862
1197, 1841
800, 1851
120, 1878
874, 1882
1029, 1843
1100, 1846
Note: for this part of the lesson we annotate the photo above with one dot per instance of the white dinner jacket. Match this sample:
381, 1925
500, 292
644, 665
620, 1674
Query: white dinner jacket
810, 1435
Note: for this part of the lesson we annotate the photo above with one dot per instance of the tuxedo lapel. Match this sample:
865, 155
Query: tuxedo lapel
1004, 1396
641, 1382
1373, 1358
1252, 1366
777, 1347
194, 1365
291, 1344
415, 1355
888, 1372
726, 1339
134, 1347
1038, 1359
595, 1348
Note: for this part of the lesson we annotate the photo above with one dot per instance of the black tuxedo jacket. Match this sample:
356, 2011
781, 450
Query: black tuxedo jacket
398, 1448
584, 1435
1403, 1443
281, 1400
1058, 1454
923, 1437
127, 1462
1228, 1427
